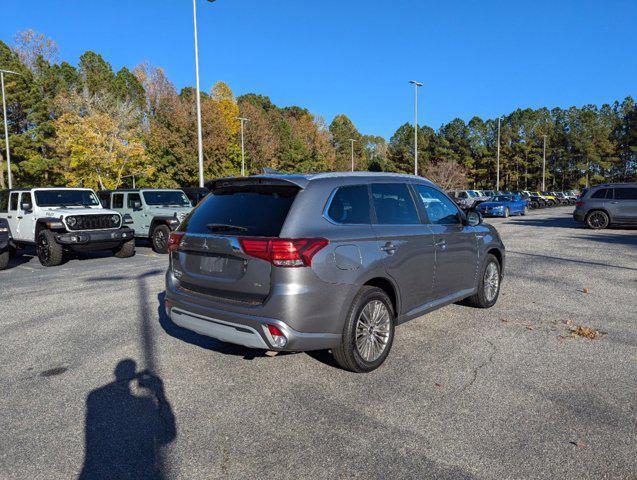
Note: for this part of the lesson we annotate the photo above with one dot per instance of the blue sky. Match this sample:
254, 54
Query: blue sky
355, 57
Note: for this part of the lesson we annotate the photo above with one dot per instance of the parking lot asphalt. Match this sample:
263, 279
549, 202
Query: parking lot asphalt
507, 392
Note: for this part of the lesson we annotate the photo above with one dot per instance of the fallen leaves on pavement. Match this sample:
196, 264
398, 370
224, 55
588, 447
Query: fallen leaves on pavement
587, 332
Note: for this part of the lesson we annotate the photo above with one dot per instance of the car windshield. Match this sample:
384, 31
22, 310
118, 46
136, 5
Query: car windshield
66, 198
471, 193
170, 198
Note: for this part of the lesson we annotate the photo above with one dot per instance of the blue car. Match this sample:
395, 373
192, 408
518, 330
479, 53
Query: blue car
503, 206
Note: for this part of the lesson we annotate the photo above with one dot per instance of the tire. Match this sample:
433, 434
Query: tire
4, 259
535, 205
348, 354
485, 297
597, 220
50, 253
159, 239
125, 250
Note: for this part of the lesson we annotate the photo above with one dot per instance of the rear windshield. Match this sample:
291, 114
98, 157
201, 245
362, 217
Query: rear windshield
166, 198
253, 210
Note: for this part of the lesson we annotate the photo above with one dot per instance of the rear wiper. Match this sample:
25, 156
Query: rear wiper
221, 227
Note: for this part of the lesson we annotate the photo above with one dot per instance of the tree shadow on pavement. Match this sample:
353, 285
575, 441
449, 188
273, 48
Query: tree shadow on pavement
562, 221
202, 341
129, 421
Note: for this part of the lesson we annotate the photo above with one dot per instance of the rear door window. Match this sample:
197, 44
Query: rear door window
393, 204
626, 194
247, 210
602, 193
350, 205
132, 198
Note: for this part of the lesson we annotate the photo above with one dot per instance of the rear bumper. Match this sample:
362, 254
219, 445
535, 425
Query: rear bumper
245, 326
578, 216
114, 237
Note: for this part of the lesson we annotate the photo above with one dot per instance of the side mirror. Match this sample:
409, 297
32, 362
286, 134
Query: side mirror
137, 205
473, 218
26, 206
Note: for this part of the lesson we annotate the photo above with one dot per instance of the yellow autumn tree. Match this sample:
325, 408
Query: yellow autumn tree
96, 152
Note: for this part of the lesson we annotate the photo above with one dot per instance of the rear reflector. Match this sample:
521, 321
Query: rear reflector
579, 204
278, 338
283, 252
174, 239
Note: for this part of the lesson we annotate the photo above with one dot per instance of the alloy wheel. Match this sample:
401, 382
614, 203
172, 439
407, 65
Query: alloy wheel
491, 281
372, 330
597, 220
43, 249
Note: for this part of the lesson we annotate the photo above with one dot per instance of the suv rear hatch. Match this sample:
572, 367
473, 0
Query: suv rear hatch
209, 256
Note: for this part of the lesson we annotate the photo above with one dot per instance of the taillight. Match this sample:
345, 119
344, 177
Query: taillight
174, 239
579, 204
283, 252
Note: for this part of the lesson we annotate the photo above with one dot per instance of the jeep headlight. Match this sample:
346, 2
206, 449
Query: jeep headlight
71, 221
115, 220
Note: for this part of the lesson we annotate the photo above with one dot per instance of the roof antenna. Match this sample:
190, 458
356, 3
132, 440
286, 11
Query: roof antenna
270, 171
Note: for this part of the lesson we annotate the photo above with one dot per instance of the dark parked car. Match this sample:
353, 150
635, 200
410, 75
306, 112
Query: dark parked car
607, 204
326, 261
4, 243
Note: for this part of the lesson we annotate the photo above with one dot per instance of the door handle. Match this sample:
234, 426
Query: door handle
614, 203
442, 244
20, 217
389, 248
9, 216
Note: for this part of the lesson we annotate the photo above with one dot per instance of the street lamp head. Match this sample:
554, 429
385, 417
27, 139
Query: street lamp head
414, 82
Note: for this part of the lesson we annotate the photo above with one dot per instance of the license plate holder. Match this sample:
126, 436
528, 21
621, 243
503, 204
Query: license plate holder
212, 264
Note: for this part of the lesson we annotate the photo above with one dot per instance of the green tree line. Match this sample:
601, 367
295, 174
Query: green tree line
88, 125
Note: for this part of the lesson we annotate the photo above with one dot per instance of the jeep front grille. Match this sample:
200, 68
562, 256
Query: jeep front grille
92, 222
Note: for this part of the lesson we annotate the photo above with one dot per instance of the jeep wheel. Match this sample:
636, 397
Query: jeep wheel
368, 332
159, 239
50, 253
4, 259
489, 286
597, 220
125, 250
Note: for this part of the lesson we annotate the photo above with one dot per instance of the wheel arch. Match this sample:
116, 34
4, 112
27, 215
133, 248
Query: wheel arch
389, 288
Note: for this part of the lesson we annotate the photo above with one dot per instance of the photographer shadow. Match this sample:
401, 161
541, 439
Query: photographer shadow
127, 426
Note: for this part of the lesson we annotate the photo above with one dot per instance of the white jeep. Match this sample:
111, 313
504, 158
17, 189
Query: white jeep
60, 220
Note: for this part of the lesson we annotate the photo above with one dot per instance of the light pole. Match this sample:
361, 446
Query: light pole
544, 165
6, 127
497, 175
416, 85
197, 95
130, 176
243, 163
352, 141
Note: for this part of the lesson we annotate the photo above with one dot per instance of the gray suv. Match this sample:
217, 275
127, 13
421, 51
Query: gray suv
326, 261
608, 204
155, 212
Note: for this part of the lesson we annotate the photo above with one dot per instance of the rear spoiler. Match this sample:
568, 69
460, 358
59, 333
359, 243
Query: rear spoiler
281, 180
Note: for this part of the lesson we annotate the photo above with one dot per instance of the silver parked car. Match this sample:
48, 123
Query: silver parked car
326, 261
608, 204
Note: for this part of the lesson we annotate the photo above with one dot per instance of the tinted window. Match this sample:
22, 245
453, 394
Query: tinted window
252, 210
440, 210
13, 204
626, 194
393, 204
118, 200
167, 199
26, 198
350, 205
601, 193
66, 198
4, 201
132, 198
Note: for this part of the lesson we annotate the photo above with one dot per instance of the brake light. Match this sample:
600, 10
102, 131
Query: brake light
579, 204
283, 252
174, 239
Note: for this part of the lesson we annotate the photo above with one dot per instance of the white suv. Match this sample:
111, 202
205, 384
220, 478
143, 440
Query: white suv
60, 220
